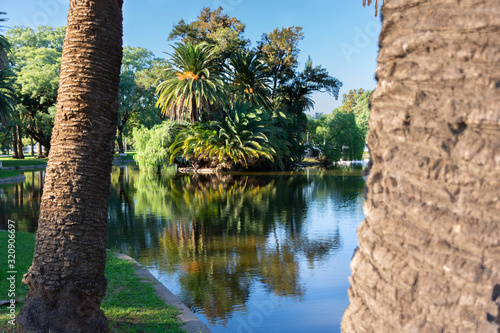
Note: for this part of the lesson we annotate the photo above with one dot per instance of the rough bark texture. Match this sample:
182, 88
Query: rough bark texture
429, 249
66, 279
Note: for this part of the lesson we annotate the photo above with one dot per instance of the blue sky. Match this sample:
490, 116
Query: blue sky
340, 35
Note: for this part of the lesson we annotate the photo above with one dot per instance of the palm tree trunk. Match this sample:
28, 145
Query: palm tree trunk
194, 110
429, 249
66, 279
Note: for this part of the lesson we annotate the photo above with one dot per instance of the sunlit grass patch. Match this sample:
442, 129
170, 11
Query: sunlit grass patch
130, 304
8, 173
9, 162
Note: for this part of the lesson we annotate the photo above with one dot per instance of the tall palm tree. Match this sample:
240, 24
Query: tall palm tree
7, 98
7, 91
250, 79
429, 249
4, 46
194, 83
295, 96
66, 280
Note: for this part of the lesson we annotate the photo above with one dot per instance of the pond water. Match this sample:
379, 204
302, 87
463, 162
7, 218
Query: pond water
265, 252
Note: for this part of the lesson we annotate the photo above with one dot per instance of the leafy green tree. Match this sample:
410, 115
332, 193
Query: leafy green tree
342, 133
362, 111
134, 98
213, 28
193, 85
4, 46
35, 62
350, 99
280, 50
313, 122
42, 37
249, 78
342, 138
295, 95
152, 145
148, 80
7, 91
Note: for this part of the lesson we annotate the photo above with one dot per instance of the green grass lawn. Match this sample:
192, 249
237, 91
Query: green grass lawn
130, 304
9, 162
8, 173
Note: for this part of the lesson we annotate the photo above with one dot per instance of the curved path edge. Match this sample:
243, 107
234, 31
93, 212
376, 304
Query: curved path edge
191, 323
12, 180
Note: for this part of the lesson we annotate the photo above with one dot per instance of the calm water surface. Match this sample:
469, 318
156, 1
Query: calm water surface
247, 252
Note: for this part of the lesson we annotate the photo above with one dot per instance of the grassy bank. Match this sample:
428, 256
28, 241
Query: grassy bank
130, 304
9, 162
8, 173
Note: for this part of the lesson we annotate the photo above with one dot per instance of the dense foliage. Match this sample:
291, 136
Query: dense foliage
193, 84
7, 92
213, 28
248, 79
153, 145
341, 134
137, 98
244, 137
35, 63
246, 106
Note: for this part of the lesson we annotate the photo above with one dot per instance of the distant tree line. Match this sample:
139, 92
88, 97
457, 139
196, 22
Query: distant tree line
341, 134
243, 107
218, 101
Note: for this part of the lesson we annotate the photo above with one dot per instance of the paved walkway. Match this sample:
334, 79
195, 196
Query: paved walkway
191, 323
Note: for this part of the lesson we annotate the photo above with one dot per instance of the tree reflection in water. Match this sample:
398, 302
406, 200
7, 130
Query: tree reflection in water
21, 202
220, 234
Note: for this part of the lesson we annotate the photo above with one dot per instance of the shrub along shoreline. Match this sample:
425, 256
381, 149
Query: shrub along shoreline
130, 304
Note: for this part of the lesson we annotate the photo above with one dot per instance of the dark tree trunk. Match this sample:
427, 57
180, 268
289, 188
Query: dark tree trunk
45, 150
194, 110
19, 135
275, 86
66, 279
429, 249
14, 143
119, 139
